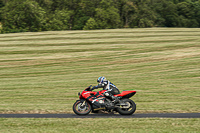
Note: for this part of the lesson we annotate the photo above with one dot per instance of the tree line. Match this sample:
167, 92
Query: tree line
45, 15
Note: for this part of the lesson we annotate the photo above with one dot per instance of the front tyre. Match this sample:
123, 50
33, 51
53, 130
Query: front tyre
81, 107
127, 109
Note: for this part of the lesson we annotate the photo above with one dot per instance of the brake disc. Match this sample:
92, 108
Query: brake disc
81, 107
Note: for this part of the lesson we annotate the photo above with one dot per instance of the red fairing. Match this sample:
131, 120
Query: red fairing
86, 94
102, 91
124, 93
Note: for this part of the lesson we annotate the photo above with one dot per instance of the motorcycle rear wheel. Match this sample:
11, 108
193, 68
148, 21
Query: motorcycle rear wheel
81, 109
129, 109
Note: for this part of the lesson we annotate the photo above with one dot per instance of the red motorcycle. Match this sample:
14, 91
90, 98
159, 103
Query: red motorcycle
83, 106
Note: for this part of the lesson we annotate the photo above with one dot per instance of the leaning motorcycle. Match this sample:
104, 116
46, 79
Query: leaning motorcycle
125, 106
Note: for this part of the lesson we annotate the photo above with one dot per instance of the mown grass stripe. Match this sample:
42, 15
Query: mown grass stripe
95, 37
39, 44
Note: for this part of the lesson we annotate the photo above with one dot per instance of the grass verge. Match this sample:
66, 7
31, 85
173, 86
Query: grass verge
97, 125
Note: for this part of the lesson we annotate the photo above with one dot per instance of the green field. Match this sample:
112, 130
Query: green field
42, 72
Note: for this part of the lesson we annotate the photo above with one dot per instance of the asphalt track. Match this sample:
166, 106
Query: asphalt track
152, 115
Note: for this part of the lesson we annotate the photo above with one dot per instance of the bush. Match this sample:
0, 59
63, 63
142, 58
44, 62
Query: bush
90, 25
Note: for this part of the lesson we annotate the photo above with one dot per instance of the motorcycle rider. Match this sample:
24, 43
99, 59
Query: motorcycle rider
110, 88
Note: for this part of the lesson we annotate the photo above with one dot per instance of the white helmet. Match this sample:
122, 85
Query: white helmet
101, 79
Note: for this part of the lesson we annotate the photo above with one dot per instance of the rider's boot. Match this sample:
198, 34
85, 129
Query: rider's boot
109, 95
115, 99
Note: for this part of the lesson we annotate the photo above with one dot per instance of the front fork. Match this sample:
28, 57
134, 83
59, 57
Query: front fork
83, 104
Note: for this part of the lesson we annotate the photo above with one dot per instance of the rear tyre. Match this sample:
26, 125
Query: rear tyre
127, 109
81, 107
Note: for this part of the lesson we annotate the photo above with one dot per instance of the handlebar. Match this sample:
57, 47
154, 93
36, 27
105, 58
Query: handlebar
89, 88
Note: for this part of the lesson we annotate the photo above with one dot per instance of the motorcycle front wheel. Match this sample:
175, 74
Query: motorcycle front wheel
81, 107
127, 109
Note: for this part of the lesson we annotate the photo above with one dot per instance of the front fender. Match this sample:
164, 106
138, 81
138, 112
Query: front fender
82, 100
